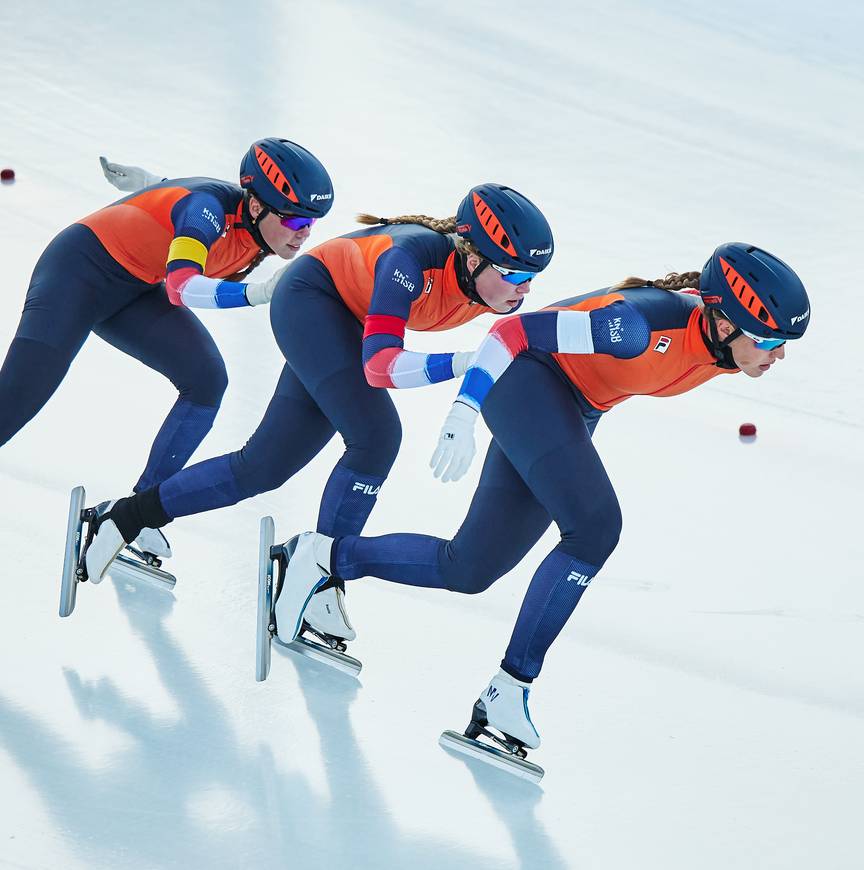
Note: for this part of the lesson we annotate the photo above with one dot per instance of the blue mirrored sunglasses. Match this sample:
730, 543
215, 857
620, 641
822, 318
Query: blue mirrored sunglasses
512, 277
294, 222
764, 343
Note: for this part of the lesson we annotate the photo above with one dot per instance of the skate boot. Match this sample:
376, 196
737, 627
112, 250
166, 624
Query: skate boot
150, 542
93, 544
325, 615
502, 706
307, 568
284, 602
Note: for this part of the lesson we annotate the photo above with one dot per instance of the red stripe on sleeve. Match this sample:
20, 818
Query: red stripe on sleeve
175, 281
511, 333
378, 367
387, 324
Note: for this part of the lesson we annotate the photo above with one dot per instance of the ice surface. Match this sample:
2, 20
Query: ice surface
704, 706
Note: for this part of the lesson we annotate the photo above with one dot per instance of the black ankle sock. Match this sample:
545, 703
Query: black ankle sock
141, 511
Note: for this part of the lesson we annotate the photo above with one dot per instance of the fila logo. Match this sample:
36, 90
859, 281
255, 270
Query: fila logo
615, 330
314, 196
492, 693
799, 317
663, 345
215, 221
580, 579
399, 278
537, 252
366, 488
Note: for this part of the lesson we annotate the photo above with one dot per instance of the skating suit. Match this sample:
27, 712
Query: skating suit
105, 273
543, 380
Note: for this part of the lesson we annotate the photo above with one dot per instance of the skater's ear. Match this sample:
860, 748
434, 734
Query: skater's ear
255, 208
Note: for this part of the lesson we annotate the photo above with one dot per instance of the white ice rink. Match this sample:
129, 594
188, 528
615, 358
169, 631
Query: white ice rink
704, 706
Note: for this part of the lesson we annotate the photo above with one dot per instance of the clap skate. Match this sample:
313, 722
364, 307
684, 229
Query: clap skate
134, 564
313, 643
499, 748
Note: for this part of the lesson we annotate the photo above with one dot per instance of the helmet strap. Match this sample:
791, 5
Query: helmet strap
250, 224
466, 280
720, 346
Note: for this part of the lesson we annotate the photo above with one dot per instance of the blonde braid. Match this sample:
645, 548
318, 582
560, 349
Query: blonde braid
673, 281
440, 225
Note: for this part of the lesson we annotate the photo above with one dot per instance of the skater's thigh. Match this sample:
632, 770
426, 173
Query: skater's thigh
171, 340
540, 428
292, 432
505, 520
322, 342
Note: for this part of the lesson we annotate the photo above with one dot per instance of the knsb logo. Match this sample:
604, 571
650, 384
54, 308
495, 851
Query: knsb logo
208, 215
615, 329
539, 252
399, 278
799, 317
578, 579
663, 344
366, 488
491, 693
315, 196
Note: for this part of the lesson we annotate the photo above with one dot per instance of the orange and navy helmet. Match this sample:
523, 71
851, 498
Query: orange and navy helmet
506, 228
286, 178
756, 291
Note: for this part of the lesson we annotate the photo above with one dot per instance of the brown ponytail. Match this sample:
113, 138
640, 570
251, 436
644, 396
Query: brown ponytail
673, 281
440, 225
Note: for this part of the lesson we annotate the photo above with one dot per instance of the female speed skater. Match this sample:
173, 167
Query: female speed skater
131, 271
339, 316
542, 381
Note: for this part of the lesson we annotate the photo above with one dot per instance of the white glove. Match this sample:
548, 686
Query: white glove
462, 360
128, 178
455, 448
261, 293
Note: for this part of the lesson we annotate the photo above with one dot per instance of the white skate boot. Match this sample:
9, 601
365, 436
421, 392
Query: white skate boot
502, 706
308, 568
326, 614
103, 550
150, 541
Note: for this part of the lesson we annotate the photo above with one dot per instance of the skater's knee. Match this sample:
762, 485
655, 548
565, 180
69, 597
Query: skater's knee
466, 573
207, 385
374, 449
596, 534
260, 467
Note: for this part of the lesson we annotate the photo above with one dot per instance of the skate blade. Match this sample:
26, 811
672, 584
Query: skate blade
72, 553
265, 599
132, 569
340, 661
453, 740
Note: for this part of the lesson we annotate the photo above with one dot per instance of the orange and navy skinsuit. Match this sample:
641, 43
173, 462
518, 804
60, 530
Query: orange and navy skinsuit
611, 344
188, 232
103, 275
393, 278
541, 466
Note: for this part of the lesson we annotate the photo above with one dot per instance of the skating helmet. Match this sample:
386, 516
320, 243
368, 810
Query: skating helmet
756, 291
287, 178
505, 227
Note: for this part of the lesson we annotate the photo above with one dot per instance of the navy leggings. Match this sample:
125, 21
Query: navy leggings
322, 390
78, 288
541, 468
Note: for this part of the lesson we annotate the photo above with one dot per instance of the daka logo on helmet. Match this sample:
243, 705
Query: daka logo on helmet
536, 252
799, 317
315, 196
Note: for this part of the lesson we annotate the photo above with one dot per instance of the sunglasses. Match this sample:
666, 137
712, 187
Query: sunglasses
293, 221
764, 343
511, 276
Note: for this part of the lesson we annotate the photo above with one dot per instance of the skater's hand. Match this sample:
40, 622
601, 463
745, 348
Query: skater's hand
462, 361
455, 448
128, 178
262, 293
